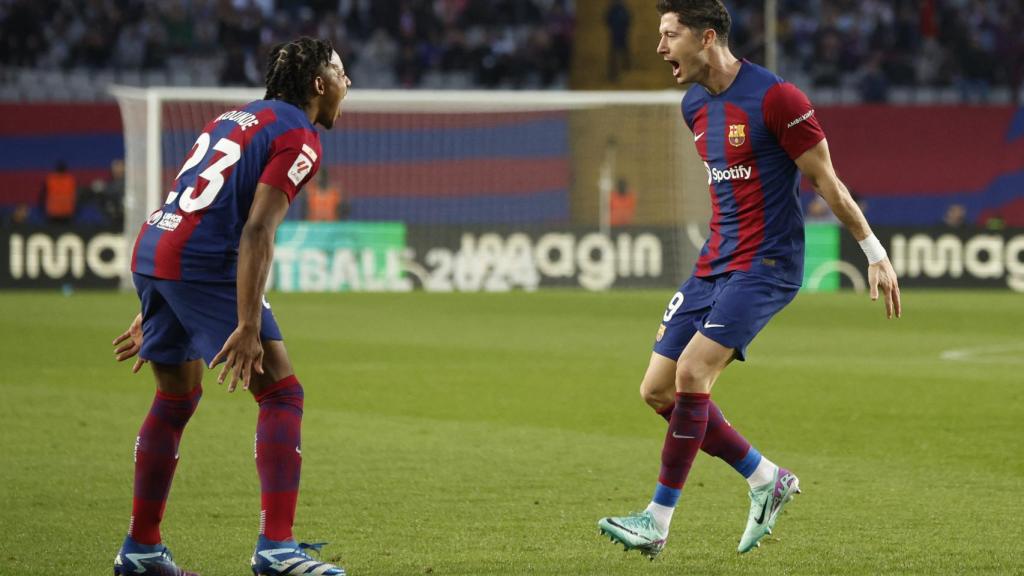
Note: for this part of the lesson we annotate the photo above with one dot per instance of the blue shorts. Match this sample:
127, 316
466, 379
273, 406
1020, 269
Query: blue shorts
729, 309
183, 321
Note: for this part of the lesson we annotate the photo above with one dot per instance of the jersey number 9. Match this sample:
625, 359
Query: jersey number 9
673, 306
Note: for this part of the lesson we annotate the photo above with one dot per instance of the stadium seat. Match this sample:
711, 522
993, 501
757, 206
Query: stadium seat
129, 77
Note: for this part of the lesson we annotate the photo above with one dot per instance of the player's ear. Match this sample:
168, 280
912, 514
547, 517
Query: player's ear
319, 85
710, 37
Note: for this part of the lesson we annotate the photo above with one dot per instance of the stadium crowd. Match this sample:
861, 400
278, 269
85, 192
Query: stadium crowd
876, 45
871, 46
385, 43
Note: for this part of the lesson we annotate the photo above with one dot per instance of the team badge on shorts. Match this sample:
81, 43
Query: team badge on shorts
661, 333
737, 134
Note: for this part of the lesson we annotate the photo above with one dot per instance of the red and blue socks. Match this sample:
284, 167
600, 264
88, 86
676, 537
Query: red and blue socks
686, 430
279, 456
723, 441
156, 457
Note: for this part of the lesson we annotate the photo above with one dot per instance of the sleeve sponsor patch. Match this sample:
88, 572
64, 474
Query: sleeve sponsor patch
803, 118
309, 152
789, 115
300, 169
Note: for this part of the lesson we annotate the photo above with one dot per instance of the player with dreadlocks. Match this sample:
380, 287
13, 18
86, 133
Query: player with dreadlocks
200, 264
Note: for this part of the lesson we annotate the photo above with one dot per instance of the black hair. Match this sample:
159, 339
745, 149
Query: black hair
291, 67
699, 15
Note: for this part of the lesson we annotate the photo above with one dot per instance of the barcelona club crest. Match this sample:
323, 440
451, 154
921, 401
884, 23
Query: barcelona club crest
737, 134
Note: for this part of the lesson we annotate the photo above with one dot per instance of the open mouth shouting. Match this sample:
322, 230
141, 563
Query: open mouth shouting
676, 67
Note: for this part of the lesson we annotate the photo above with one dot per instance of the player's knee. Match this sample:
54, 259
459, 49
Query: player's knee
657, 398
693, 379
654, 397
646, 395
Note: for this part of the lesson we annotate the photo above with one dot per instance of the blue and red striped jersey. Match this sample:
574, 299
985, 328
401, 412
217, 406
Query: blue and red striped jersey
749, 136
195, 234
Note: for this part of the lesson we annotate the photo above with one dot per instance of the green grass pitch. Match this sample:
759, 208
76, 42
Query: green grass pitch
486, 434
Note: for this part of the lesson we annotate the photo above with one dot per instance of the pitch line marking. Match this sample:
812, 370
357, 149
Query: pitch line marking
998, 354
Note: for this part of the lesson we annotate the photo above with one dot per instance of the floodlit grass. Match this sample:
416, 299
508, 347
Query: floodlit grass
486, 434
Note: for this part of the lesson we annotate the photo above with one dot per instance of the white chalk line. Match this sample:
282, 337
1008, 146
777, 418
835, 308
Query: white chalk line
999, 354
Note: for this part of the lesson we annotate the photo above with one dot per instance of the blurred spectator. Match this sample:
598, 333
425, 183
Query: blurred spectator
976, 72
21, 215
955, 217
618, 19
60, 192
874, 85
622, 207
130, 47
408, 68
560, 25
818, 211
108, 196
543, 69
239, 68
827, 68
324, 201
378, 60
456, 56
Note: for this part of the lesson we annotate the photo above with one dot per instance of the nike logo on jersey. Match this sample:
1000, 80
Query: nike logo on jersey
708, 325
698, 137
681, 437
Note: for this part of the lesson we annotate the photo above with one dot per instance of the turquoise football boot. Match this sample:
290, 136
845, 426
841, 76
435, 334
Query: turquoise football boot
766, 503
637, 531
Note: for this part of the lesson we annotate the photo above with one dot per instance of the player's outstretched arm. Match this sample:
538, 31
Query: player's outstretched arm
129, 343
816, 165
242, 353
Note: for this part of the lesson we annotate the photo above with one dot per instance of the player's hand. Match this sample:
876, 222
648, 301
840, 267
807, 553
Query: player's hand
129, 343
242, 354
882, 278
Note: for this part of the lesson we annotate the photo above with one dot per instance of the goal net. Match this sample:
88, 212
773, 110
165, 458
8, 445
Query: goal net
465, 191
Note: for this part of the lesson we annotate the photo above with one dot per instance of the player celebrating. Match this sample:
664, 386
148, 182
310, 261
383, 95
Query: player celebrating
200, 264
756, 134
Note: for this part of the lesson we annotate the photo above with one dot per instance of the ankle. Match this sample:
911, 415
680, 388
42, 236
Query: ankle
763, 474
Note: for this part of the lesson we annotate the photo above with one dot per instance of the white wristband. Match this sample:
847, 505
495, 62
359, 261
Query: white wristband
873, 249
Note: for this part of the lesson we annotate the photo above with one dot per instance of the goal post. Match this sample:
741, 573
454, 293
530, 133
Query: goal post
463, 190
